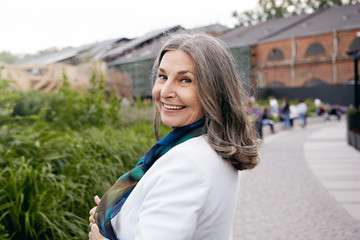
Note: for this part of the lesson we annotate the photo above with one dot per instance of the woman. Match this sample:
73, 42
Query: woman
188, 182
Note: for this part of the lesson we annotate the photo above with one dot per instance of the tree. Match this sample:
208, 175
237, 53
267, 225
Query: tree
273, 9
7, 57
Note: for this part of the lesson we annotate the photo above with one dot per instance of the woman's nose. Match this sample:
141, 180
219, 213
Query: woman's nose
168, 89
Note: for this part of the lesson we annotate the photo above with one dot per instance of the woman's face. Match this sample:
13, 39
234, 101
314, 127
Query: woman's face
175, 90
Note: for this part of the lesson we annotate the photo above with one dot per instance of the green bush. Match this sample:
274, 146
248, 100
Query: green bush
57, 151
70, 109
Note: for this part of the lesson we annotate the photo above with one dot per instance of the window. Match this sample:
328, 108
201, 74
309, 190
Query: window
355, 45
315, 49
314, 82
275, 54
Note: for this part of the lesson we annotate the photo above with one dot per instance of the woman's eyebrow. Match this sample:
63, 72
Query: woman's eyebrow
180, 72
185, 71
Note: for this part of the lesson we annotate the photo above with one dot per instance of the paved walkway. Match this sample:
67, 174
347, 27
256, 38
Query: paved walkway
306, 187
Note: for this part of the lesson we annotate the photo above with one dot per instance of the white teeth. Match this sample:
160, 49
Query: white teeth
173, 107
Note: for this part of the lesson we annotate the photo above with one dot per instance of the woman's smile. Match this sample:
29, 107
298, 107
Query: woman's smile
172, 107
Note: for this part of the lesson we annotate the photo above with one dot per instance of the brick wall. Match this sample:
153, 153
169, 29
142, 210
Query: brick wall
306, 68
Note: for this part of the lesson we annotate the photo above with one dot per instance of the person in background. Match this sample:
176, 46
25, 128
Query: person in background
274, 105
293, 114
335, 110
266, 121
302, 110
256, 117
317, 103
186, 185
285, 110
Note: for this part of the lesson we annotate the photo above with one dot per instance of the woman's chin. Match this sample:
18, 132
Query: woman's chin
171, 123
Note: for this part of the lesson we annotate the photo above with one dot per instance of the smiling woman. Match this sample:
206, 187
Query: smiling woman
186, 185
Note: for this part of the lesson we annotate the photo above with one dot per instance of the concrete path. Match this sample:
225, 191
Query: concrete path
336, 164
306, 187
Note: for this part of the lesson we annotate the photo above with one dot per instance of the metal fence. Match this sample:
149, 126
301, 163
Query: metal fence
332, 94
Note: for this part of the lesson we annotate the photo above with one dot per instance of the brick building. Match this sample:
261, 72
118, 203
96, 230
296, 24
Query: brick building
301, 56
311, 52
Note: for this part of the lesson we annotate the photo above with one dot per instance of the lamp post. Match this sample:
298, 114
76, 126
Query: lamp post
355, 54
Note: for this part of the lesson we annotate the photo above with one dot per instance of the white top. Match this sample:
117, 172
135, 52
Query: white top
273, 103
317, 102
189, 193
293, 111
301, 107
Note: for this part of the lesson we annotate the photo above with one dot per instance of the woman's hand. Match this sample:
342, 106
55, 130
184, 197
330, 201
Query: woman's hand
94, 233
92, 211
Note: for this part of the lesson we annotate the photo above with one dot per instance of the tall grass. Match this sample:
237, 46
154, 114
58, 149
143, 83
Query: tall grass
57, 151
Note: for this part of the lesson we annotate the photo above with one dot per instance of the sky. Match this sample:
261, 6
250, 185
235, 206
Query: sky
27, 26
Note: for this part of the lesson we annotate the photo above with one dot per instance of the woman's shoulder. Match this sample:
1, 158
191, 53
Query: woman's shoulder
196, 144
197, 153
197, 149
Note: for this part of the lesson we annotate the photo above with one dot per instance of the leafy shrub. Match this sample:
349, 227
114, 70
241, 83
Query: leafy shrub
57, 151
68, 108
30, 103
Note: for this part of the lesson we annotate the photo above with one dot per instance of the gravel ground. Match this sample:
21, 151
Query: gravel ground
281, 199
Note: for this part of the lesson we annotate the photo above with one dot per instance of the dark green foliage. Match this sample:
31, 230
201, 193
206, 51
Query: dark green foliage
57, 151
353, 120
274, 9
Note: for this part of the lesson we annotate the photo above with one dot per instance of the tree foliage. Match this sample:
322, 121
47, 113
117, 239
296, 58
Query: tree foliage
273, 9
7, 57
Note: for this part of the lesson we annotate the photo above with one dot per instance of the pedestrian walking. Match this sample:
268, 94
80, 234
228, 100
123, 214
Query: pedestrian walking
302, 111
285, 110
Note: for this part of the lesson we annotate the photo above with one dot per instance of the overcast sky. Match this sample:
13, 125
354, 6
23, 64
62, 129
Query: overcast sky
27, 26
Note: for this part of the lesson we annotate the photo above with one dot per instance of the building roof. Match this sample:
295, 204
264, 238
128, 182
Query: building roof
138, 42
213, 28
247, 36
150, 50
337, 18
101, 48
52, 57
96, 50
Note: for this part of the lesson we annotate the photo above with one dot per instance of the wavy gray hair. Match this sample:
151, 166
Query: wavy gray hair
230, 131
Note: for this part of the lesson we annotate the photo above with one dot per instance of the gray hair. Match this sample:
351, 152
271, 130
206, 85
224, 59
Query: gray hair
230, 131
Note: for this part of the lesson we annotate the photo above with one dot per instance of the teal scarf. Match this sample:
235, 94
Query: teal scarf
115, 197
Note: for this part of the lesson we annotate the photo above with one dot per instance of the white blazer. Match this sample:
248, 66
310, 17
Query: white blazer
189, 193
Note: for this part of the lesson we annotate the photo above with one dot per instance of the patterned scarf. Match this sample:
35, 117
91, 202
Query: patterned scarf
115, 197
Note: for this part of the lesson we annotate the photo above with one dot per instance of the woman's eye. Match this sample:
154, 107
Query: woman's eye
186, 80
162, 77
